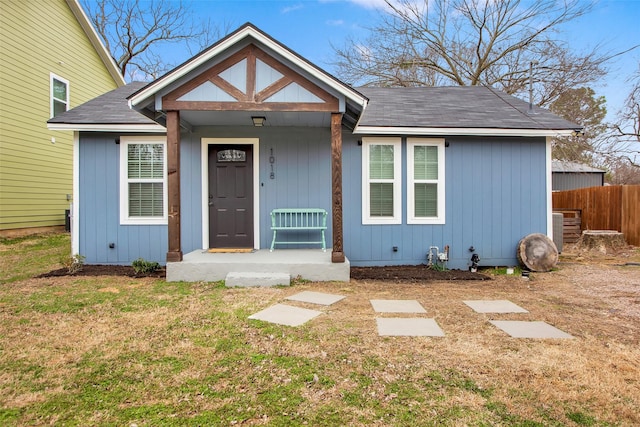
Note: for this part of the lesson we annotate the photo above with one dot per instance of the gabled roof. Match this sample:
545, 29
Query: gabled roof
108, 112
246, 32
91, 33
455, 110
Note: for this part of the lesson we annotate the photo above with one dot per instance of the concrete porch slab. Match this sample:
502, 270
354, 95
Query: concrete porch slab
315, 298
405, 327
494, 306
287, 315
396, 306
522, 329
309, 264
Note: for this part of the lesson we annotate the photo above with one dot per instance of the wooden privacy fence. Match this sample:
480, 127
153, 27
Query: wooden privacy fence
605, 208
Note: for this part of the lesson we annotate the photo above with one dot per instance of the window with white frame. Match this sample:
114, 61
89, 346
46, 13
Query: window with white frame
143, 183
425, 181
59, 91
382, 183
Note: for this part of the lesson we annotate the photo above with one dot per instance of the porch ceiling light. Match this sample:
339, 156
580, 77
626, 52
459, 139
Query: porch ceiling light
258, 121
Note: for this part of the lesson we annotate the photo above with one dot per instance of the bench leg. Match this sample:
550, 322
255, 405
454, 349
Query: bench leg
324, 243
273, 242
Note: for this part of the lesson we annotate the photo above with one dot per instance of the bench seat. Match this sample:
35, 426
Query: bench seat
299, 219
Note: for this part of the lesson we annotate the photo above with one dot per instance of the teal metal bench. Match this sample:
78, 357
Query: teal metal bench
298, 220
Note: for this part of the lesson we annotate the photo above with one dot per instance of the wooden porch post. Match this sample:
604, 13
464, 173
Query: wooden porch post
173, 185
336, 177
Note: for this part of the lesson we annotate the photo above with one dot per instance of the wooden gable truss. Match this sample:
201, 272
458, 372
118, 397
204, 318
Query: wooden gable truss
212, 91
247, 95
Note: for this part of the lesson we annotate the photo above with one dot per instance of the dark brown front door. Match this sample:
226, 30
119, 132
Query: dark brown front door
230, 196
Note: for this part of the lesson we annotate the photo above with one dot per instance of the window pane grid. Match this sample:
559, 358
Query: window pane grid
381, 162
145, 161
381, 199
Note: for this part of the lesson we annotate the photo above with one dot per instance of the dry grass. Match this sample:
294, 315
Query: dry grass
122, 351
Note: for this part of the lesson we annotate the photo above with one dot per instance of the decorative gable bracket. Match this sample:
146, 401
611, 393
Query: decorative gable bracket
250, 80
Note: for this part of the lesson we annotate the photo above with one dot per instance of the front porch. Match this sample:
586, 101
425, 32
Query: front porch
309, 264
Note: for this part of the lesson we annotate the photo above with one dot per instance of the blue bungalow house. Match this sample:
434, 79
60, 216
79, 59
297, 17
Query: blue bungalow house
195, 161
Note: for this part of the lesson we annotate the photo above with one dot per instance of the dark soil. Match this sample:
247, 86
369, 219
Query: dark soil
412, 274
105, 270
396, 273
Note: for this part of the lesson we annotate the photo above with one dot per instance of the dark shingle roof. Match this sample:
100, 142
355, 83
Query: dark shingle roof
415, 107
112, 108
453, 107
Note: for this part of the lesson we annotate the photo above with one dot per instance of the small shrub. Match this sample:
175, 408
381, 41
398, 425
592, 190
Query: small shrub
73, 263
142, 266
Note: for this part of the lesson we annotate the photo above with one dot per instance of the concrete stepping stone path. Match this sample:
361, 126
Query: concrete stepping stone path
408, 327
396, 306
287, 315
521, 329
316, 298
494, 306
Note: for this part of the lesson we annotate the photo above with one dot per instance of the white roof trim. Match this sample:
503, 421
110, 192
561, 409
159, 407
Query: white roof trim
247, 31
91, 33
107, 128
392, 130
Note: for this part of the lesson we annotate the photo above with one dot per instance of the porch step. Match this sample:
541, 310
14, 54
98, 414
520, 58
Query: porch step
245, 280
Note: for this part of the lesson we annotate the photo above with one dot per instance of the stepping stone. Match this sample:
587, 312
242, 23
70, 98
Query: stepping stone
404, 327
521, 329
495, 306
285, 315
397, 306
315, 298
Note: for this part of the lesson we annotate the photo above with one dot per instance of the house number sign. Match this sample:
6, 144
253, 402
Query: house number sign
232, 156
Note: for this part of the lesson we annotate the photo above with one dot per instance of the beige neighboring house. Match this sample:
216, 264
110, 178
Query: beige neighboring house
52, 61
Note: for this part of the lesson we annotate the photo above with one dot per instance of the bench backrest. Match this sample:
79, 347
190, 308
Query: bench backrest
301, 218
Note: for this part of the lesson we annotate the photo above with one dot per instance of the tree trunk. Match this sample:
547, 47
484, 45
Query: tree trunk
537, 252
602, 240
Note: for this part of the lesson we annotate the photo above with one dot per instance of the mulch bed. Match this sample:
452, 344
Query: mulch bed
396, 273
105, 270
412, 274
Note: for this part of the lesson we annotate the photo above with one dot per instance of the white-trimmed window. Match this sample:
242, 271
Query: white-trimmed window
59, 94
382, 183
143, 180
425, 181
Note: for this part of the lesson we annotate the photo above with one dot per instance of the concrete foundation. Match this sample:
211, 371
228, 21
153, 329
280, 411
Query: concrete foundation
308, 264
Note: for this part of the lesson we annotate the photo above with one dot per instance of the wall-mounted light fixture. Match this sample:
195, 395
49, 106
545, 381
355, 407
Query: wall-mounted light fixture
258, 121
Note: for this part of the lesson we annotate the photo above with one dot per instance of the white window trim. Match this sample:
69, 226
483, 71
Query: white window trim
411, 218
125, 219
367, 219
51, 98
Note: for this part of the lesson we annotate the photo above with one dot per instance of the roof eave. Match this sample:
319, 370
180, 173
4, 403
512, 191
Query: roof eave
396, 130
96, 127
91, 33
142, 96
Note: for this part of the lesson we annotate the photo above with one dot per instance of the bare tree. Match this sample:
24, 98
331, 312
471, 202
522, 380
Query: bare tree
137, 33
626, 130
472, 42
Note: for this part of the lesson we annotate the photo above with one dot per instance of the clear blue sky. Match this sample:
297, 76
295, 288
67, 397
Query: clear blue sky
309, 27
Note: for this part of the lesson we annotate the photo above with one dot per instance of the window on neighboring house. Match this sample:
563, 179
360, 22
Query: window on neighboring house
143, 189
59, 95
425, 181
382, 186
